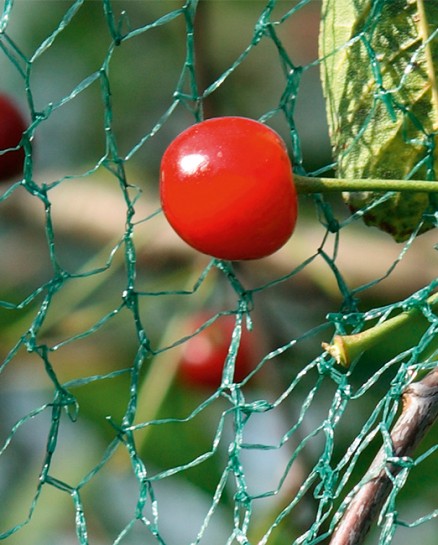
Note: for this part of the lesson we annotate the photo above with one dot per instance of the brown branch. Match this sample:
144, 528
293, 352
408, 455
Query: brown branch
420, 410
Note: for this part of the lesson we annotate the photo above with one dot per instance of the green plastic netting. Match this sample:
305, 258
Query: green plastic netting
100, 442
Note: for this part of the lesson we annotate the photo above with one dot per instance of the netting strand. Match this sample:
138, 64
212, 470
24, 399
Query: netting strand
329, 436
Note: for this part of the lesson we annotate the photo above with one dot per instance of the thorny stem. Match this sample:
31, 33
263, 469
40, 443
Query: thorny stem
305, 184
420, 411
347, 348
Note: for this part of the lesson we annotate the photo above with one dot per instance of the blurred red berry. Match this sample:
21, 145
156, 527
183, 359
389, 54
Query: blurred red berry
12, 126
203, 355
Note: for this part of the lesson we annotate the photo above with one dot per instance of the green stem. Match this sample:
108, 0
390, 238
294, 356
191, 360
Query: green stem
306, 184
347, 348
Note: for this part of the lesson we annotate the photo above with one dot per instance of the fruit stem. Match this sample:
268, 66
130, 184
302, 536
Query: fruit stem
307, 184
347, 348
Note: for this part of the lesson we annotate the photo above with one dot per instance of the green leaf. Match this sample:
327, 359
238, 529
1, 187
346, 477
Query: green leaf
379, 62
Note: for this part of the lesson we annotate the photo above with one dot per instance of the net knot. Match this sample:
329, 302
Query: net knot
129, 297
259, 406
242, 497
326, 489
398, 387
404, 462
70, 403
325, 365
260, 28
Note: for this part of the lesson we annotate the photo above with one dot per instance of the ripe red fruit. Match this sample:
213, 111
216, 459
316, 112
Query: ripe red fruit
227, 189
12, 126
203, 355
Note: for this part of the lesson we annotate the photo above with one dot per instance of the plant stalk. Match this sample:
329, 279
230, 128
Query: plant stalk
347, 348
307, 184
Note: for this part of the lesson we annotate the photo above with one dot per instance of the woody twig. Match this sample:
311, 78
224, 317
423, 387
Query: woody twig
420, 411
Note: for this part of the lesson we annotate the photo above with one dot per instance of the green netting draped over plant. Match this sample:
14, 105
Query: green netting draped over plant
330, 438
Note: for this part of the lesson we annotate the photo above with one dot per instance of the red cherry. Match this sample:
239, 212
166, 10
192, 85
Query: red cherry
203, 355
12, 126
227, 189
